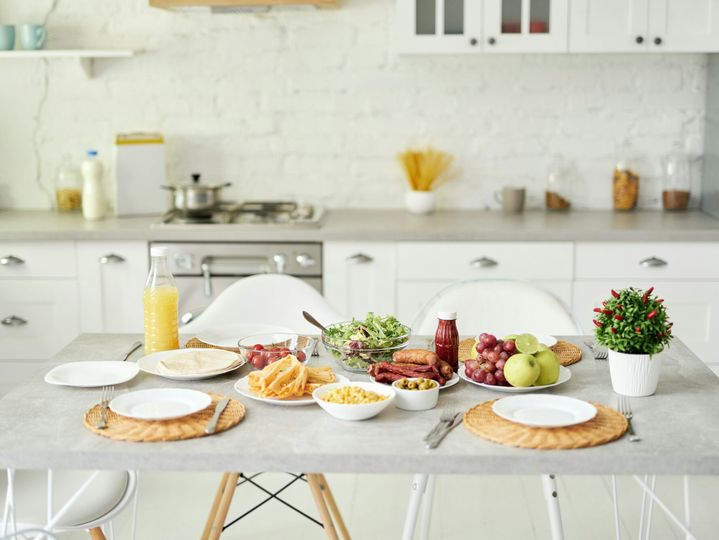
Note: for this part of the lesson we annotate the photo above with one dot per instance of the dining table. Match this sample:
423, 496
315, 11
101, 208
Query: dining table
41, 426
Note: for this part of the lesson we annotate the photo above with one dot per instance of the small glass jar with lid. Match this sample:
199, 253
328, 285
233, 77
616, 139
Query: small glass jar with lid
558, 191
625, 180
677, 180
68, 187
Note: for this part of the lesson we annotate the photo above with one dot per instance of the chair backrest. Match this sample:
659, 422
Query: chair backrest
266, 299
497, 307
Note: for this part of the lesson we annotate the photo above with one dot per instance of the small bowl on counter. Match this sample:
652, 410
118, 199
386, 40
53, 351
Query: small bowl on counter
354, 401
259, 350
416, 394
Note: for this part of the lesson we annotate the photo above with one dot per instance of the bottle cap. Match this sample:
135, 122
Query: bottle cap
92, 153
159, 251
447, 315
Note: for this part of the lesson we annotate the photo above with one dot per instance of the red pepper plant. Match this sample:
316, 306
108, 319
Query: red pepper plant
633, 322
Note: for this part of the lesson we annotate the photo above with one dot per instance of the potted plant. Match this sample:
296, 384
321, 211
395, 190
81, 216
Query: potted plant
633, 325
424, 169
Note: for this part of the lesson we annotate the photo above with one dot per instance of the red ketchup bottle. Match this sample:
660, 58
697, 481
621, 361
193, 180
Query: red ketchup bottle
446, 340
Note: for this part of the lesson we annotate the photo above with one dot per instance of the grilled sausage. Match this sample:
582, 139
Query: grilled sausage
416, 356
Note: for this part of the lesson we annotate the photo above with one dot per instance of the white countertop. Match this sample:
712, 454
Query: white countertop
381, 225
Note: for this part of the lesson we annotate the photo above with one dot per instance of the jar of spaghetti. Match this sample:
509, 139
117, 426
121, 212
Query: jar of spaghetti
68, 187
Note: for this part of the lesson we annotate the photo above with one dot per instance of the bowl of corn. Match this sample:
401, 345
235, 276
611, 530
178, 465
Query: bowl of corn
355, 400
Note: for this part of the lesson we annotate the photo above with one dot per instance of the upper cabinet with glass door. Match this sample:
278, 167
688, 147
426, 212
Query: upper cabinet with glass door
439, 26
525, 25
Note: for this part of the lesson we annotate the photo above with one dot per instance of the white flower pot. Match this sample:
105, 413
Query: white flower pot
419, 202
634, 375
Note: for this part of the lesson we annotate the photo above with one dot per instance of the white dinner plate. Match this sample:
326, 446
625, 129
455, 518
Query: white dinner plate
544, 410
564, 375
454, 380
228, 335
160, 403
242, 387
92, 374
149, 364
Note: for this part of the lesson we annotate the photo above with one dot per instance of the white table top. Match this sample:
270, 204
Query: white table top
41, 427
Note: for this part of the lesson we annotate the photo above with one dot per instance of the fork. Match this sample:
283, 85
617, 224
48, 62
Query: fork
599, 354
446, 418
625, 409
107, 392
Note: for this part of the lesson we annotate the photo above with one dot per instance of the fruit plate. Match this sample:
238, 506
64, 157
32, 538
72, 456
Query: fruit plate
243, 387
544, 410
564, 375
454, 380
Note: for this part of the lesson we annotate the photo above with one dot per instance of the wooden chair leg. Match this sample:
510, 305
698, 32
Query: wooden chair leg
213, 508
315, 488
96, 533
332, 504
218, 520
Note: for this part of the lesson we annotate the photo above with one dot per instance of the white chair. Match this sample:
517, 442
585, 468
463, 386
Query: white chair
59, 501
499, 307
266, 299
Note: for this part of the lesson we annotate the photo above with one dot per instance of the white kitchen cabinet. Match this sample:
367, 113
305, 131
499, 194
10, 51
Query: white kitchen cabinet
112, 276
37, 260
360, 277
439, 26
693, 306
683, 26
37, 317
525, 26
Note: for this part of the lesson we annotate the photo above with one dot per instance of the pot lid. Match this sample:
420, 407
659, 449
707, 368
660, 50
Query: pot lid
195, 184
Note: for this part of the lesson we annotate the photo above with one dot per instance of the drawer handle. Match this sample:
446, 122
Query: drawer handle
111, 258
652, 262
11, 260
13, 320
483, 262
359, 258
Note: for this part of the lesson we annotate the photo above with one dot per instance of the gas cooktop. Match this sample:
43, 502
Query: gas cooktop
249, 213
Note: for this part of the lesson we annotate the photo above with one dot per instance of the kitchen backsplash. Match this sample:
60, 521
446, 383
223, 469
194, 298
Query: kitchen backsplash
315, 104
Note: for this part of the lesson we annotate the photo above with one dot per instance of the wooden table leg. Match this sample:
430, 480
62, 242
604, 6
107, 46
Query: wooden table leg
315, 488
213, 508
96, 533
218, 520
332, 504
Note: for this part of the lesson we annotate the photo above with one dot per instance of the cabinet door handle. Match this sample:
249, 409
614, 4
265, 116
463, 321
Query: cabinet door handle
483, 262
657, 41
492, 41
652, 262
11, 260
111, 258
359, 258
305, 260
639, 39
13, 320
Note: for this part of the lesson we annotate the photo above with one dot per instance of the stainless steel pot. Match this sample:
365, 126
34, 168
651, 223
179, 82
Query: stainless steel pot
196, 199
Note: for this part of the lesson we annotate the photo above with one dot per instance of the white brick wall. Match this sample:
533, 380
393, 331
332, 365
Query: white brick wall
317, 104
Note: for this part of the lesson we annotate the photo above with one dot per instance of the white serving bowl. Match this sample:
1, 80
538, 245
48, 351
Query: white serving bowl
416, 400
361, 411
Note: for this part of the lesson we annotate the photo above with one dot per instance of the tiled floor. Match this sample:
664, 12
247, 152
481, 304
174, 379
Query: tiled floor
174, 506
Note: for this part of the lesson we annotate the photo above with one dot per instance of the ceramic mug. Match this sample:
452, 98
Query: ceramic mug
32, 36
7, 37
511, 199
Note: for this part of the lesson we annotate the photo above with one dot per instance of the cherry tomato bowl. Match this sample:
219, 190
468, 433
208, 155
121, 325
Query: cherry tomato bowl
260, 350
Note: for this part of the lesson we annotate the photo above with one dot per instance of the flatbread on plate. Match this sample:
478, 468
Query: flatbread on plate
197, 362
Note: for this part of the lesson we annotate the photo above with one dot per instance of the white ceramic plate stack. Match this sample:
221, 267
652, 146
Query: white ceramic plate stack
91, 374
243, 387
564, 375
544, 410
160, 403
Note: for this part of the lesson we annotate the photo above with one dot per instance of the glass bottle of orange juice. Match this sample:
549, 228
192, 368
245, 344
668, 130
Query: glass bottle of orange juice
160, 298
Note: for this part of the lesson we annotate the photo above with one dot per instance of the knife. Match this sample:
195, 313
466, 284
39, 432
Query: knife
212, 424
434, 443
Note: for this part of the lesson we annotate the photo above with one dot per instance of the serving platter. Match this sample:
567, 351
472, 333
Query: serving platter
91, 374
150, 364
544, 410
564, 375
242, 387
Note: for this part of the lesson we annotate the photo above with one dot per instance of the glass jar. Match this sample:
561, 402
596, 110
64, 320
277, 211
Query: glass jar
677, 181
557, 194
446, 339
625, 186
68, 187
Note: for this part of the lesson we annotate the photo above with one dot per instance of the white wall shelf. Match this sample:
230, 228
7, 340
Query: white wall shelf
85, 57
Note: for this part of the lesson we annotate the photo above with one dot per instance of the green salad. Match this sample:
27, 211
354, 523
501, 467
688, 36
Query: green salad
351, 340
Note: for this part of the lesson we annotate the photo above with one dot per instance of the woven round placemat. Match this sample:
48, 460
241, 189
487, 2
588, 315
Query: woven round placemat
568, 353
122, 428
607, 426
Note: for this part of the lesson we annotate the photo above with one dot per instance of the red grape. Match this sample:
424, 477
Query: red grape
500, 365
499, 375
471, 365
497, 348
482, 336
493, 356
479, 375
503, 355
509, 346
490, 379
479, 347
489, 340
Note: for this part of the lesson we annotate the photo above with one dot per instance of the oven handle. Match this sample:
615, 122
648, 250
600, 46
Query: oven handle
207, 273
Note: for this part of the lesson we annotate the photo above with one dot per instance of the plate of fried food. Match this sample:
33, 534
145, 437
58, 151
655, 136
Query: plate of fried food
286, 382
414, 363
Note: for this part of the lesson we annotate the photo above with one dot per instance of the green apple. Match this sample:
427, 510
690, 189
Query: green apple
549, 367
521, 370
